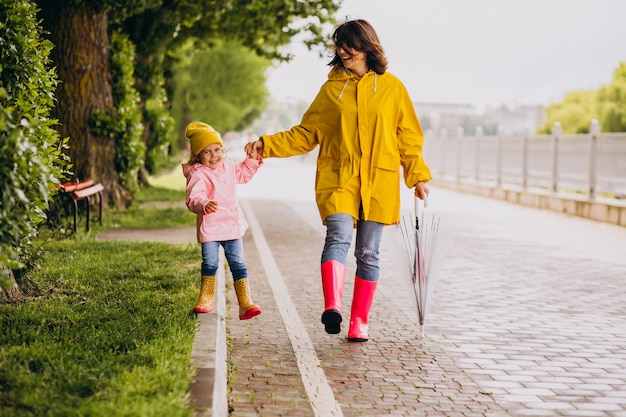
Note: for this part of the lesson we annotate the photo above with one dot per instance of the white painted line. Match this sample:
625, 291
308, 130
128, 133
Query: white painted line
313, 377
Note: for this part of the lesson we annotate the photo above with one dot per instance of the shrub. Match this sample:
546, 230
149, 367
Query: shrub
31, 152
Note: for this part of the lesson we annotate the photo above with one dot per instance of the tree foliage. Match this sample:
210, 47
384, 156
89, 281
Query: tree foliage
123, 122
612, 102
575, 112
157, 28
31, 158
579, 108
223, 86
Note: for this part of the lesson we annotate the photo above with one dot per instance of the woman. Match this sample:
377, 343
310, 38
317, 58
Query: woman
365, 125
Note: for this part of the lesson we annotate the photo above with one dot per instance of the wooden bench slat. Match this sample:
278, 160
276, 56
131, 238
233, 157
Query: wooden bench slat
70, 187
86, 192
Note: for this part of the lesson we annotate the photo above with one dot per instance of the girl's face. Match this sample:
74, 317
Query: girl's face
353, 60
211, 156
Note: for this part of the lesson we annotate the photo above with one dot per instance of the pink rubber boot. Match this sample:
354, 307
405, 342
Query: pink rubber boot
361, 304
333, 278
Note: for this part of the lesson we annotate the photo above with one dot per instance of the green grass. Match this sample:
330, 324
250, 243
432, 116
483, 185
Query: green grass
105, 329
169, 212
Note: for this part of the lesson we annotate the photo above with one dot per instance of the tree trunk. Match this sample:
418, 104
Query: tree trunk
14, 292
82, 58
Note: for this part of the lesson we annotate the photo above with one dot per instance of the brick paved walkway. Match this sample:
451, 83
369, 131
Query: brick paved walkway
528, 319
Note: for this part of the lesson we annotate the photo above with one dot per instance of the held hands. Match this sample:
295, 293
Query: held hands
421, 190
211, 207
254, 149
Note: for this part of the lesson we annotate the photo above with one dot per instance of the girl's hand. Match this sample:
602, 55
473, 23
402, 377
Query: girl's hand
421, 190
254, 149
211, 207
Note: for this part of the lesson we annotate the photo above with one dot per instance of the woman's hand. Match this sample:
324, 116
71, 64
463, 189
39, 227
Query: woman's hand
421, 190
254, 149
211, 207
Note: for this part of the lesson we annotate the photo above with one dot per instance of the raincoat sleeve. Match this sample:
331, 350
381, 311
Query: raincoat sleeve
410, 142
199, 192
245, 170
299, 139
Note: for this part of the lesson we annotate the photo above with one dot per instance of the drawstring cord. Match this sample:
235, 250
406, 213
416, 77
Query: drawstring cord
346, 83
344, 87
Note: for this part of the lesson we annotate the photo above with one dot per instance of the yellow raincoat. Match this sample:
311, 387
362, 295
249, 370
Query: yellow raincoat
366, 129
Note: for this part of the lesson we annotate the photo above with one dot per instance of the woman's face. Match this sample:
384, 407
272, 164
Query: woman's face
211, 156
353, 60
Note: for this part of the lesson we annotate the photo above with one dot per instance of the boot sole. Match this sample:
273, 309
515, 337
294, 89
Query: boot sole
252, 312
357, 339
332, 321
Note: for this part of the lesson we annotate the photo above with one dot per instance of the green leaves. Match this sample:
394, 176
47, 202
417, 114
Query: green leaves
31, 161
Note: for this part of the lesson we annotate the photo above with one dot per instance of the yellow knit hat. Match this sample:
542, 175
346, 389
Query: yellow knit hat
200, 136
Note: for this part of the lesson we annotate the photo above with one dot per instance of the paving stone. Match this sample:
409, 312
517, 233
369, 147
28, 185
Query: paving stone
519, 323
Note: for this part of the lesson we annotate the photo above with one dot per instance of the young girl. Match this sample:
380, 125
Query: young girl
211, 194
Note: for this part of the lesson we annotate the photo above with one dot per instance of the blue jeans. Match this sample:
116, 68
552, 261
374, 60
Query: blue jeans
339, 229
233, 250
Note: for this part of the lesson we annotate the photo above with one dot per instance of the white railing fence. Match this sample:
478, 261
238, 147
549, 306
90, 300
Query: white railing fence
592, 164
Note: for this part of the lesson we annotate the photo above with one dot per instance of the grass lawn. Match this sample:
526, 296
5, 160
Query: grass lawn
105, 328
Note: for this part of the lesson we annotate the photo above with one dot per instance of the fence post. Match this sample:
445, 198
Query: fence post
594, 131
478, 134
557, 131
525, 139
499, 134
444, 154
460, 134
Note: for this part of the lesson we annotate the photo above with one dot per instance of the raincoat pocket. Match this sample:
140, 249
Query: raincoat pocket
385, 177
388, 162
328, 174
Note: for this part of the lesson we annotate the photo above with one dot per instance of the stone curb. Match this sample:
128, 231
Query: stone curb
209, 387
602, 210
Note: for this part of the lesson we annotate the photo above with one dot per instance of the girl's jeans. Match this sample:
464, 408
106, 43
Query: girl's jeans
339, 229
233, 250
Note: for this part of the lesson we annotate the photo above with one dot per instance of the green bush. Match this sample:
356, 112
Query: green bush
123, 123
31, 153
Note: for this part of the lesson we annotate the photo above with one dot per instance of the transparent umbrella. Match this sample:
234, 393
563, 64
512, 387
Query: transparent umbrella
425, 246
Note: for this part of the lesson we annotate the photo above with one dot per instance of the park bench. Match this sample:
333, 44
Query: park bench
82, 191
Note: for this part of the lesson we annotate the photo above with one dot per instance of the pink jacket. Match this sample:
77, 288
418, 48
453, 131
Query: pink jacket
219, 184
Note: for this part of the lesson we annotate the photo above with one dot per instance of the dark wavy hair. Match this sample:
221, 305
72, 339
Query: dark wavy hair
361, 36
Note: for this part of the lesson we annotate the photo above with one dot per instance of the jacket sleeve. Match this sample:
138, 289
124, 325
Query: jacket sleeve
299, 139
245, 170
199, 193
410, 142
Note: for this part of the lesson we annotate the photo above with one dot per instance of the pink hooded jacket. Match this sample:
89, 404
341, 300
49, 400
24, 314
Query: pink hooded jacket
219, 184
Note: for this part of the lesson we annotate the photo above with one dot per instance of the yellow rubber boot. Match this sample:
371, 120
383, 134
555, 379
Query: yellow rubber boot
207, 295
247, 309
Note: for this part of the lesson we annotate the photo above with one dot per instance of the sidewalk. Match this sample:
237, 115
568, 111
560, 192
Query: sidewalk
527, 319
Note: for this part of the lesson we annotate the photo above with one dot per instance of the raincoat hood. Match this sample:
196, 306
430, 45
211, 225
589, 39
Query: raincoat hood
339, 73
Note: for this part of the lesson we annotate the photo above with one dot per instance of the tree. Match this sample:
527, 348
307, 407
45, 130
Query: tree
80, 30
579, 108
31, 158
232, 92
612, 102
575, 112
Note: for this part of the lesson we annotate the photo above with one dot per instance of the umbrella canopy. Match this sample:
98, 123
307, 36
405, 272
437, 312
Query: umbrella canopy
425, 246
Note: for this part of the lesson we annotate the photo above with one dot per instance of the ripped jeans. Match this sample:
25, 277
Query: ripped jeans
339, 229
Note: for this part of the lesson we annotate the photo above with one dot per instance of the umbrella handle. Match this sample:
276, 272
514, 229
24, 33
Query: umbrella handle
417, 210
416, 200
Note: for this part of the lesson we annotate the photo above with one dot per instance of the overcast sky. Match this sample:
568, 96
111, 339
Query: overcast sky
481, 52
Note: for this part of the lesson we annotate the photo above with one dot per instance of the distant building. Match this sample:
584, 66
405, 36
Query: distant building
510, 119
435, 117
